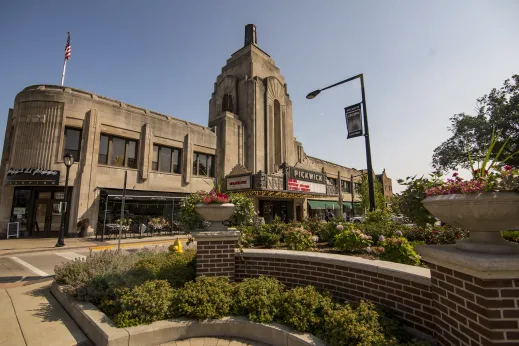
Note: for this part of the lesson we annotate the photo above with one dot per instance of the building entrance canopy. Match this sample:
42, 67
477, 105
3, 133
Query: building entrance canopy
116, 194
323, 205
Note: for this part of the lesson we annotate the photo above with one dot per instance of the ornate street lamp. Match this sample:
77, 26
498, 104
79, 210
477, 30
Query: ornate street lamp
68, 160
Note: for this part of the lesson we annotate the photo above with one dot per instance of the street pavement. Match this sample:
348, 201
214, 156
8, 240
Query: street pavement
31, 267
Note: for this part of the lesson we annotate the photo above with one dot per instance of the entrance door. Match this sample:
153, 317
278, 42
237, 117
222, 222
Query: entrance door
47, 220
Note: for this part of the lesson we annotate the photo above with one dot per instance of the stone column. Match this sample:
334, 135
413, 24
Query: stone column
475, 296
215, 252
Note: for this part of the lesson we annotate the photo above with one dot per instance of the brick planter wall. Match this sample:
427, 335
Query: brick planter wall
215, 253
403, 289
474, 311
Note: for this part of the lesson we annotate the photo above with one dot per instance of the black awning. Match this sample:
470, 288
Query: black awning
117, 194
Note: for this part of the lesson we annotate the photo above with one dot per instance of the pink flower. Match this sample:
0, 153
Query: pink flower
398, 233
381, 238
339, 227
455, 174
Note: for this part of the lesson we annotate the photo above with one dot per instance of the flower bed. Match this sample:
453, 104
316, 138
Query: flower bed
135, 289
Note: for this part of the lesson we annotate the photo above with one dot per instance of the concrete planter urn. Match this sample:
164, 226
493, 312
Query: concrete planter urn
485, 215
215, 214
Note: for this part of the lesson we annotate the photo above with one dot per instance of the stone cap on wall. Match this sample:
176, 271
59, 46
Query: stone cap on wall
402, 271
480, 265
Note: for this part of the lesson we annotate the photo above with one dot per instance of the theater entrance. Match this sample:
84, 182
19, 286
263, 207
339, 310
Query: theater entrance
283, 209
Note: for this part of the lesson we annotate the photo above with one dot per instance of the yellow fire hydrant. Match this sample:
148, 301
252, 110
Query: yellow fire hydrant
176, 247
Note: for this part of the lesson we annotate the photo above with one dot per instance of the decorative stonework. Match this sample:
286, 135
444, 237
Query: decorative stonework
274, 183
239, 170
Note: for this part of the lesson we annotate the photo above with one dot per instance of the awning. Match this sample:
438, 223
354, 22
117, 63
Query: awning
324, 205
117, 194
348, 205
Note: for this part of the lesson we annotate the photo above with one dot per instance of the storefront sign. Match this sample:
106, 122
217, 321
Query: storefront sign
238, 183
301, 174
354, 120
305, 186
32, 176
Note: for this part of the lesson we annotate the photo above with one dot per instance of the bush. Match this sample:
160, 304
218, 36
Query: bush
304, 309
435, 234
377, 223
359, 326
74, 275
299, 239
511, 236
330, 229
399, 250
314, 225
142, 304
188, 216
207, 297
259, 299
352, 240
266, 236
243, 210
176, 268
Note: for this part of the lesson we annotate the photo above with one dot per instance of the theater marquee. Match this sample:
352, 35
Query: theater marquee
238, 183
306, 181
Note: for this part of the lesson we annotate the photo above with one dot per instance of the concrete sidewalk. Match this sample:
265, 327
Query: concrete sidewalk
26, 245
31, 316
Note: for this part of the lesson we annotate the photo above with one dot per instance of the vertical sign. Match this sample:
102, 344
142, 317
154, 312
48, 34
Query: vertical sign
354, 120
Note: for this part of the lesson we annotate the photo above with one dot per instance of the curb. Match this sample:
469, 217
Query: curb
143, 243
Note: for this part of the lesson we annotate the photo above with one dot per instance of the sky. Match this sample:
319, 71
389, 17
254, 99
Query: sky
423, 62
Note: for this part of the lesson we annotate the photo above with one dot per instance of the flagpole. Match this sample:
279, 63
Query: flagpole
63, 74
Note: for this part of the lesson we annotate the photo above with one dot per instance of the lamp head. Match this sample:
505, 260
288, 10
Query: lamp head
313, 94
68, 159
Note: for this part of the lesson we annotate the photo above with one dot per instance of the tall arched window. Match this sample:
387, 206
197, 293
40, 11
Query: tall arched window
227, 105
277, 133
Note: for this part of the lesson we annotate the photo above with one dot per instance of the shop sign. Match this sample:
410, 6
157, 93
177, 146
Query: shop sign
238, 183
301, 174
32, 176
305, 186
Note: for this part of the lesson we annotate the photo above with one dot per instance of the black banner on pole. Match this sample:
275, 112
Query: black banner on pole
354, 120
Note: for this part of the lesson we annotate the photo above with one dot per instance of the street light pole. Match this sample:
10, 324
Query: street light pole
68, 160
371, 188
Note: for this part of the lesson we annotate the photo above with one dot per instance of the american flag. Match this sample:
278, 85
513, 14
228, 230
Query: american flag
67, 48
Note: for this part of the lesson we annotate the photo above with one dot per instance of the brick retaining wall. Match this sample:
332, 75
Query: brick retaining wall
404, 289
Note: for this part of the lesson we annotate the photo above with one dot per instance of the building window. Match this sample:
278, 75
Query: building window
331, 181
72, 144
203, 164
346, 186
118, 152
356, 186
166, 159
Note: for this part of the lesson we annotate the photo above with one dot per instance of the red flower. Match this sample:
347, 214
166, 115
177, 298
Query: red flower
476, 171
455, 174
508, 168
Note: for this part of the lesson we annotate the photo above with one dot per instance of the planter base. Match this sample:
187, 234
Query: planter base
487, 242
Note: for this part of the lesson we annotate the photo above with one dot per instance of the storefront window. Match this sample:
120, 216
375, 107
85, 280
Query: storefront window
331, 181
72, 143
346, 186
21, 200
117, 152
203, 164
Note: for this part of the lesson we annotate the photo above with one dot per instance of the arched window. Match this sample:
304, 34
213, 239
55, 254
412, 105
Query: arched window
227, 105
277, 133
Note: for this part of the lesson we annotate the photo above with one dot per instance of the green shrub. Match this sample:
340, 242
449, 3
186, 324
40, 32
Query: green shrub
207, 297
330, 229
176, 268
304, 308
74, 275
188, 216
142, 304
435, 234
314, 225
299, 239
243, 210
511, 236
259, 298
378, 223
266, 236
352, 240
399, 250
360, 326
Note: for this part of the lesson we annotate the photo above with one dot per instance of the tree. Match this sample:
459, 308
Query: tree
380, 200
498, 110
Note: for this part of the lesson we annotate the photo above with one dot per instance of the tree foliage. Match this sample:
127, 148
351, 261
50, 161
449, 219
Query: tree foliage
498, 110
380, 200
410, 200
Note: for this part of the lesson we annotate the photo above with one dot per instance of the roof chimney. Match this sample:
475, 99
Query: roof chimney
250, 35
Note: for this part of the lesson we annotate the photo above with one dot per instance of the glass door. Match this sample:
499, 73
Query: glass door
41, 218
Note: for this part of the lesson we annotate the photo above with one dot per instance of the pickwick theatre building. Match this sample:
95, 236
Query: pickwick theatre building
249, 139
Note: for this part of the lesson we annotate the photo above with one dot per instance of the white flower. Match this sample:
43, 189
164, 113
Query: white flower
339, 227
381, 238
368, 249
399, 233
